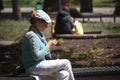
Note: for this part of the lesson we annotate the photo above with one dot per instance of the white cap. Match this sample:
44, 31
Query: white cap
40, 14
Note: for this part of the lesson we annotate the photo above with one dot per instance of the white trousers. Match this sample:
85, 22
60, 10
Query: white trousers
59, 69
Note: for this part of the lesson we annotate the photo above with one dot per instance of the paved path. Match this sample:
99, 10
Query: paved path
5, 43
8, 10
105, 10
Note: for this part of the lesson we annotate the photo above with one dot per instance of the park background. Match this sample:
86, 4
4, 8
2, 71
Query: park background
83, 53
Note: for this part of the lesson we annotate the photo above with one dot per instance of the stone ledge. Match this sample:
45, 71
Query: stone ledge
97, 72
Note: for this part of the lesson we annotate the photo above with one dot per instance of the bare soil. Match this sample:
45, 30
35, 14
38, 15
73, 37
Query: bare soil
90, 52
81, 53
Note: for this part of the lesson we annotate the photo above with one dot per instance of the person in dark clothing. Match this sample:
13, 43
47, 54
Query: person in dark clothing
64, 22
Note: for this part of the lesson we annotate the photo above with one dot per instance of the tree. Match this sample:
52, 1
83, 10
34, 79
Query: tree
16, 9
117, 8
50, 5
53, 5
86, 5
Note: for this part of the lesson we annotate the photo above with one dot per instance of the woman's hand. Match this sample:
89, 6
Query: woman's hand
51, 43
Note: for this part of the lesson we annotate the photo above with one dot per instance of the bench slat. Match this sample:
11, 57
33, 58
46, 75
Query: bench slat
86, 36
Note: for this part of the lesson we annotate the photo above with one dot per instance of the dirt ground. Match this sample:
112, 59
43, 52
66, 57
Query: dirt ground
90, 52
81, 53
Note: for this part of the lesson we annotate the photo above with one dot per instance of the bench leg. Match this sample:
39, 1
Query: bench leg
101, 19
114, 19
83, 19
88, 19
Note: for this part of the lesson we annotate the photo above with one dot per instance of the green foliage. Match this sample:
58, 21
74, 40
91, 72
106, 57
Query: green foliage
23, 3
96, 3
92, 53
103, 3
96, 63
97, 41
30, 2
88, 55
60, 41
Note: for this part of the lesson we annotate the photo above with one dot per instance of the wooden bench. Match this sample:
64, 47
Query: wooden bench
76, 14
96, 15
86, 36
93, 32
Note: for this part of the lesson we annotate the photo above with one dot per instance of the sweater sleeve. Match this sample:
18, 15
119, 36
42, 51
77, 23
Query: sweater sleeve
38, 49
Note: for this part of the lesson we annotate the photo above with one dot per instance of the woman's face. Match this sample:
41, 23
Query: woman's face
41, 25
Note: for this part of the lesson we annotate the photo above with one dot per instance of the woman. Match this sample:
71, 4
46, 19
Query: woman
35, 48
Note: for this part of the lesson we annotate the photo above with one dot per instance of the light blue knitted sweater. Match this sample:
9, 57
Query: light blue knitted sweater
34, 48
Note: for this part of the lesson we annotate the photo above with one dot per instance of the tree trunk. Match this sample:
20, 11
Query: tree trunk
117, 7
50, 5
55, 5
117, 11
16, 9
86, 5
1, 5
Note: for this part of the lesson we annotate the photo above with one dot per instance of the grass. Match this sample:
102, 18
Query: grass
106, 28
22, 3
98, 3
14, 30
103, 3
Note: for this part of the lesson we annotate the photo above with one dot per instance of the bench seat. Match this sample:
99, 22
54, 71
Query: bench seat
86, 36
98, 15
